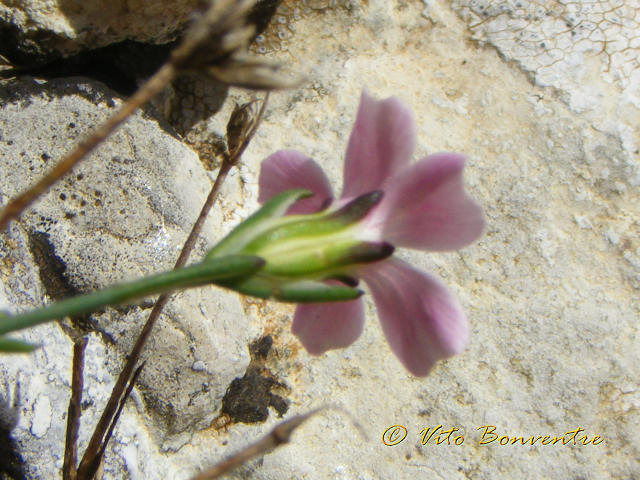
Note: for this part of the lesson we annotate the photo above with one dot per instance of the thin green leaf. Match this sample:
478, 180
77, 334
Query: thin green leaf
215, 271
11, 345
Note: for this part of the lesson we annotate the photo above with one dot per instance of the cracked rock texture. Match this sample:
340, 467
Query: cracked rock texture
551, 290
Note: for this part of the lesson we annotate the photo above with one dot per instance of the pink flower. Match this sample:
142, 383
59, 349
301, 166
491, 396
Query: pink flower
424, 207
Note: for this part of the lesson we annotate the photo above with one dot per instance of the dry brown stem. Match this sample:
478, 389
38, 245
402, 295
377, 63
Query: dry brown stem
281, 434
97, 443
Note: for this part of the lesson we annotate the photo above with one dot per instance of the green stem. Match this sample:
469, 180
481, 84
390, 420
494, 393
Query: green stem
210, 271
12, 345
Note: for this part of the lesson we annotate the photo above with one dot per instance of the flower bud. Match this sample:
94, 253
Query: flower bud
243, 118
301, 251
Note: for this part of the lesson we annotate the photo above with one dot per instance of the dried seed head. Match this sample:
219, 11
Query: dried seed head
216, 44
215, 34
248, 72
242, 121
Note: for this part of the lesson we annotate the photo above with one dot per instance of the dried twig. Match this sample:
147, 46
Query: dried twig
215, 45
98, 460
95, 446
69, 467
279, 435
97, 443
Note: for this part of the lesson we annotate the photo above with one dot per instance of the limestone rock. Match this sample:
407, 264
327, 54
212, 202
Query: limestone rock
45, 28
551, 290
122, 214
553, 302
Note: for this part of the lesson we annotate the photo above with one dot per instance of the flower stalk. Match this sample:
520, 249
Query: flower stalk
269, 255
212, 271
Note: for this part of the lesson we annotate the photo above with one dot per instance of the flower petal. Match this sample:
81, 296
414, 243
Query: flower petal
426, 206
325, 326
381, 144
289, 169
421, 319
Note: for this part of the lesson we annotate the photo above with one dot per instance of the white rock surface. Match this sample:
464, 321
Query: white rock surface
551, 289
588, 50
120, 215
